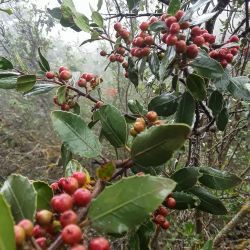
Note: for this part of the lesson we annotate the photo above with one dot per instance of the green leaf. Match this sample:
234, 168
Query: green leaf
39, 89
8, 11
97, 18
185, 109
158, 26
196, 86
185, 201
25, 83
219, 180
209, 202
206, 66
208, 245
156, 145
164, 105
44, 194
61, 94
82, 22
8, 82
132, 4
66, 155
154, 64
5, 64
186, 178
133, 74
215, 102
203, 18
222, 119
239, 87
114, 126
7, 236
55, 12
73, 166
75, 133
43, 61
127, 203
222, 83
15, 190
136, 108
99, 4
106, 171
174, 6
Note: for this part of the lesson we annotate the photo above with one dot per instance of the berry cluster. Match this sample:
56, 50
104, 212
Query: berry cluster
122, 32
70, 195
226, 55
150, 119
89, 81
64, 74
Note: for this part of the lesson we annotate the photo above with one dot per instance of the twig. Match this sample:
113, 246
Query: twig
232, 223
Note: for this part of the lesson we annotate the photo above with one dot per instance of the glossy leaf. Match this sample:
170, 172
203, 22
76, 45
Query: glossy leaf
215, 102
174, 6
222, 82
97, 18
14, 190
43, 60
206, 66
127, 203
203, 18
164, 105
75, 133
44, 195
132, 4
105, 171
186, 178
7, 236
158, 26
209, 202
185, 201
73, 166
25, 83
156, 145
136, 108
196, 86
133, 74
55, 12
185, 109
5, 64
99, 4
8, 82
114, 125
219, 180
39, 89
222, 119
239, 87
154, 64
61, 94
81, 21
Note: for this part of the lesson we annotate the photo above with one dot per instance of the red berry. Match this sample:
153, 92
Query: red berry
81, 178
60, 182
174, 28
38, 231
149, 40
171, 202
143, 34
89, 77
99, 243
50, 75
62, 68
180, 46
99, 104
170, 20
138, 52
144, 26
206, 36
196, 31
117, 26
82, 82
119, 58
234, 51
78, 247
125, 65
126, 74
120, 50
65, 75
65, 107
145, 51
68, 217
222, 53
139, 126
179, 14
171, 40
44, 217
61, 203
71, 234
70, 185
163, 211
199, 40
139, 42
159, 219
211, 39
19, 235
184, 25
124, 34
214, 54
82, 197
41, 242
54, 186
165, 225
112, 58
153, 20
224, 63
103, 53
27, 225
192, 51
152, 116
234, 39
229, 57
